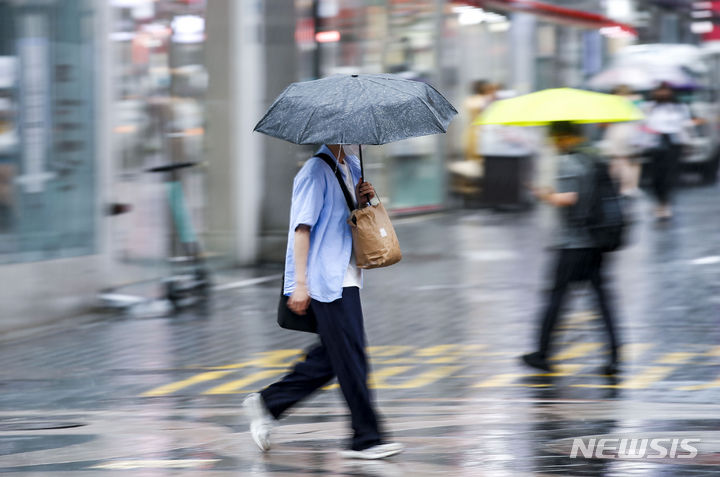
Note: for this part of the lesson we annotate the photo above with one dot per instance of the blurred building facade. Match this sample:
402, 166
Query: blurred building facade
93, 93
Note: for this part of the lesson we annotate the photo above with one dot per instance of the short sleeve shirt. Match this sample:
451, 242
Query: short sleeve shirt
575, 173
318, 202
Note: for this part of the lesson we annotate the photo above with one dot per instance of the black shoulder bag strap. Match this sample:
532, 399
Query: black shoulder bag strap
333, 165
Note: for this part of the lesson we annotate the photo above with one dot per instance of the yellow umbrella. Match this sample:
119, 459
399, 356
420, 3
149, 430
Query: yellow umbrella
560, 104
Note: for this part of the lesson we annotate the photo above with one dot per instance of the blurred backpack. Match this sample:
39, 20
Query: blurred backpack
605, 219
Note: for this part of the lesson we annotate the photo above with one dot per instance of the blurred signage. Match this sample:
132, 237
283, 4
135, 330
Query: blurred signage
188, 29
705, 16
327, 36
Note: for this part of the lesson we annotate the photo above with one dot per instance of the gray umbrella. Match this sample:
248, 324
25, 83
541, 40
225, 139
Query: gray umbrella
356, 109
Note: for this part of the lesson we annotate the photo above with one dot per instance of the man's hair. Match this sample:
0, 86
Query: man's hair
565, 128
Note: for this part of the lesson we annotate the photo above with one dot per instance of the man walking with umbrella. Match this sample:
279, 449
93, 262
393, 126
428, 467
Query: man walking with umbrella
321, 274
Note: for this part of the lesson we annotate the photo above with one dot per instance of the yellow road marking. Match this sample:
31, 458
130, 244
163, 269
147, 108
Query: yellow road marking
377, 378
499, 380
576, 351
713, 352
408, 360
508, 379
578, 317
632, 351
385, 351
237, 385
448, 353
437, 350
444, 360
422, 379
279, 358
643, 380
676, 358
178, 385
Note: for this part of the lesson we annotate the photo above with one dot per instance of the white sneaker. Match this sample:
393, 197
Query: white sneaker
261, 421
379, 451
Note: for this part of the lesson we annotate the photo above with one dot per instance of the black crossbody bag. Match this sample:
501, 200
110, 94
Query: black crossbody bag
286, 318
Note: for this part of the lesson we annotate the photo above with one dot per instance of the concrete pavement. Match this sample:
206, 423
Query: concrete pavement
160, 396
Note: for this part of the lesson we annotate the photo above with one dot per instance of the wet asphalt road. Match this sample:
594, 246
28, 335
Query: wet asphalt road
160, 396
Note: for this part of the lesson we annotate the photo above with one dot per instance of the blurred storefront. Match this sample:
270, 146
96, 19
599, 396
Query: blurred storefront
47, 131
519, 46
159, 83
50, 237
401, 37
93, 94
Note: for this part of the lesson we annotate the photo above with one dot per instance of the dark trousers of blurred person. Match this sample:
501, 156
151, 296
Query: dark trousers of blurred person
665, 160
576, 265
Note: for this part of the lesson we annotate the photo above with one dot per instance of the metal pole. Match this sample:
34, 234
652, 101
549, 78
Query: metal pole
317, 59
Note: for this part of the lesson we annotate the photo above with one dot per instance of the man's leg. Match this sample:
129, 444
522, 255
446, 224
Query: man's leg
340, 324
598, 283
568, 260
659, 173
306, 377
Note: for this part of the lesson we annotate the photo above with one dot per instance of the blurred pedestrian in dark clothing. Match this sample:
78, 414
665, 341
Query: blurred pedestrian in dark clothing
667, 122
578, 257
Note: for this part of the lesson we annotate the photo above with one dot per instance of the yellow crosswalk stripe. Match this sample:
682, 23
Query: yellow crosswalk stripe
509, 379
377, 377
237, 385
643, 380
676, 358
185, 383
423, 379
437, 350
500, 380
578, 317
576, 351
279, 358
633, 351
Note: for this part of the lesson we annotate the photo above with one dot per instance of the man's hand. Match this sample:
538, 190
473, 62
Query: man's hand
365, 192
543, 193
557, 199
299, 301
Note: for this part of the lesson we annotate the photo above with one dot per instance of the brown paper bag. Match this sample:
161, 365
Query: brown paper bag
374, 239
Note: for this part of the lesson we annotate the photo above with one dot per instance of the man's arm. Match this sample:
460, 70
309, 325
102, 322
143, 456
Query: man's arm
300, 298
556, 199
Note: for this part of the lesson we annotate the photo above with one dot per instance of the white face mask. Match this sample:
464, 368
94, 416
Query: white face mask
350, 149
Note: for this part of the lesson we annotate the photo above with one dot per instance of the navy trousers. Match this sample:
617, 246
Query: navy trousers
341, 354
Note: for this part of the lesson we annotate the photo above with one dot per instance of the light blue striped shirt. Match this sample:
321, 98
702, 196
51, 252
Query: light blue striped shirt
318, 202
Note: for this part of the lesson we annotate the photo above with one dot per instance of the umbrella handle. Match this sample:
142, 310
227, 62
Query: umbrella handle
362, 168
362, 171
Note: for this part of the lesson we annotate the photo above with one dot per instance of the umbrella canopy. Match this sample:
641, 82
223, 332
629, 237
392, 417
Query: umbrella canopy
356, 109
642, 78
560, 104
